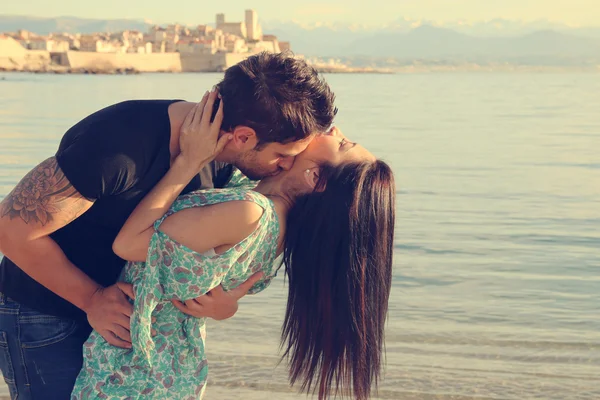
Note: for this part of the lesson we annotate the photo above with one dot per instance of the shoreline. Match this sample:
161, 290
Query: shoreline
63, 70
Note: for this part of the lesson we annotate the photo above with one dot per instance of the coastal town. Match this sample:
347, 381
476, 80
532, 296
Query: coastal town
173, 48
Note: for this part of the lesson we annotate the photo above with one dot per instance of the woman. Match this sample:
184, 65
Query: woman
331, 216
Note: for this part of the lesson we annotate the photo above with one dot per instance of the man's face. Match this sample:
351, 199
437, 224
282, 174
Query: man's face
270, 159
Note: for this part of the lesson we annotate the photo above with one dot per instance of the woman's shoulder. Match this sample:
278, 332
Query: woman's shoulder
210, 226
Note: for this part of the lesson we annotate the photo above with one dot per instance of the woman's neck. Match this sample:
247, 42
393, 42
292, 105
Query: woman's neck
274, 191
283, 203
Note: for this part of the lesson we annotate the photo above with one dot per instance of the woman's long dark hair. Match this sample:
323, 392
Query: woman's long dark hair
338, 259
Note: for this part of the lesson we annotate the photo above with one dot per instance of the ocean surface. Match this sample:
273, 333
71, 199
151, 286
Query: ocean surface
496, 291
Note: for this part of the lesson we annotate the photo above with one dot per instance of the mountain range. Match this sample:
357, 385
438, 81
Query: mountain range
402, 40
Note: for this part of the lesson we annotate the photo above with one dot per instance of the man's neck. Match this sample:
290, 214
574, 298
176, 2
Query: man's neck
177, 113
226, 156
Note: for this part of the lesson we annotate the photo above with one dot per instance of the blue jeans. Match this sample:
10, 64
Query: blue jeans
40, 355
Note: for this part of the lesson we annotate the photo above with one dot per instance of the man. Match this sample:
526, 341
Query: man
52, 280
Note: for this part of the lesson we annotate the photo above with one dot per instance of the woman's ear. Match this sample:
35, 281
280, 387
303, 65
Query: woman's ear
311, 177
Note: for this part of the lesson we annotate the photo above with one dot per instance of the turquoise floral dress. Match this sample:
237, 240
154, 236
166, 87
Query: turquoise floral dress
172, 364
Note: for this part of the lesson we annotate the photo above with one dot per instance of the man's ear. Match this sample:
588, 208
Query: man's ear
244, 138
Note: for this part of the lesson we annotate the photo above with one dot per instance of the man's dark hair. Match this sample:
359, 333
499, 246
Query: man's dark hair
282, 98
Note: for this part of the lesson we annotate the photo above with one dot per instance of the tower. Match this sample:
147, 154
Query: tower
252, 28
220, 19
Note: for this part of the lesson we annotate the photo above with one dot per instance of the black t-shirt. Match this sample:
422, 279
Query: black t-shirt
114, 156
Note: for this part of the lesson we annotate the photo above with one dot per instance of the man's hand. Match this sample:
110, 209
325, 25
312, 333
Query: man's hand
109, 311
217, 304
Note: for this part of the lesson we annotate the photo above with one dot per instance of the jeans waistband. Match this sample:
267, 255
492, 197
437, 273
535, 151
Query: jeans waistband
5, 301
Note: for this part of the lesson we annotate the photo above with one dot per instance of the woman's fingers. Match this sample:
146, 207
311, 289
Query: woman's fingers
197, 119
190, 115
216, 124
208, 107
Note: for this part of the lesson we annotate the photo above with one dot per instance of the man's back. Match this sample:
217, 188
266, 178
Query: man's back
114, 157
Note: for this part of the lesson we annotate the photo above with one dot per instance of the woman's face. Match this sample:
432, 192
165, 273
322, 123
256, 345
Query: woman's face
332, 148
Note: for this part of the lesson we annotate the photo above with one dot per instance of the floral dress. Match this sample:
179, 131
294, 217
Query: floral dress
172, 364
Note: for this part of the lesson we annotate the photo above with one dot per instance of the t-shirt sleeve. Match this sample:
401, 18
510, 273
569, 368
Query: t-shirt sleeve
97, 172
106, 153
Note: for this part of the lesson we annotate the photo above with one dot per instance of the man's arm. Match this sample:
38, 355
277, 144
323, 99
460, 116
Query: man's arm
41, 203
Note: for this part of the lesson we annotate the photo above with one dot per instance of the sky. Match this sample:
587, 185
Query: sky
574, 12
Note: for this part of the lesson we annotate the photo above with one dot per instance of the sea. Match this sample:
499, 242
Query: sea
496, 285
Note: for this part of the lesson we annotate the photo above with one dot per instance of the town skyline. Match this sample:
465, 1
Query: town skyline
230, 37
375, 12
171, 48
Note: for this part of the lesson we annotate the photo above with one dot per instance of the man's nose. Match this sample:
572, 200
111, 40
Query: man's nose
286, 163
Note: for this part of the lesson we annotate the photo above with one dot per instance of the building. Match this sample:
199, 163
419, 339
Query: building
101, 44
51, 45
253, 29
202, 31
203, 48
235, 44
284, 46
197, 46
142, 48
72, 40
232, 28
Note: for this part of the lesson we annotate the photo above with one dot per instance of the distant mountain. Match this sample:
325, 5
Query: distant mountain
44, 26
418, 38
491, 28
426, 42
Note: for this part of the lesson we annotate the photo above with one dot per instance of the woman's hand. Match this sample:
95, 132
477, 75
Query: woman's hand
199, 140
199, 143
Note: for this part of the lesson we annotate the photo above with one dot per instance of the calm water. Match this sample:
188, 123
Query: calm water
497, 275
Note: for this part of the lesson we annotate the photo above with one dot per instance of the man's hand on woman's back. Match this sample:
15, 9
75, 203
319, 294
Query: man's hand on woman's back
217, 303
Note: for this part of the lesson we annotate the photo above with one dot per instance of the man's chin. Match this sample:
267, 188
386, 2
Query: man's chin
258, 176
254, 176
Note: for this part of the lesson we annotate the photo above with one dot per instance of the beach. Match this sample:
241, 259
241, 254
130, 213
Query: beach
496, 289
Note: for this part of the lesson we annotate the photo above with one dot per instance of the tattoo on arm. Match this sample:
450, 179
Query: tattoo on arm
44, 195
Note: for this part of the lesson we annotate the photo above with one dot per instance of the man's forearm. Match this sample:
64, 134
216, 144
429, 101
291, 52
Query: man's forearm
44, 261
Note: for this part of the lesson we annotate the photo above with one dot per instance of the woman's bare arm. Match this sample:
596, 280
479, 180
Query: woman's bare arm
218, 226
200, 143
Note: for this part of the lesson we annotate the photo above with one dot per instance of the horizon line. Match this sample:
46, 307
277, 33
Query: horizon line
424, 20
